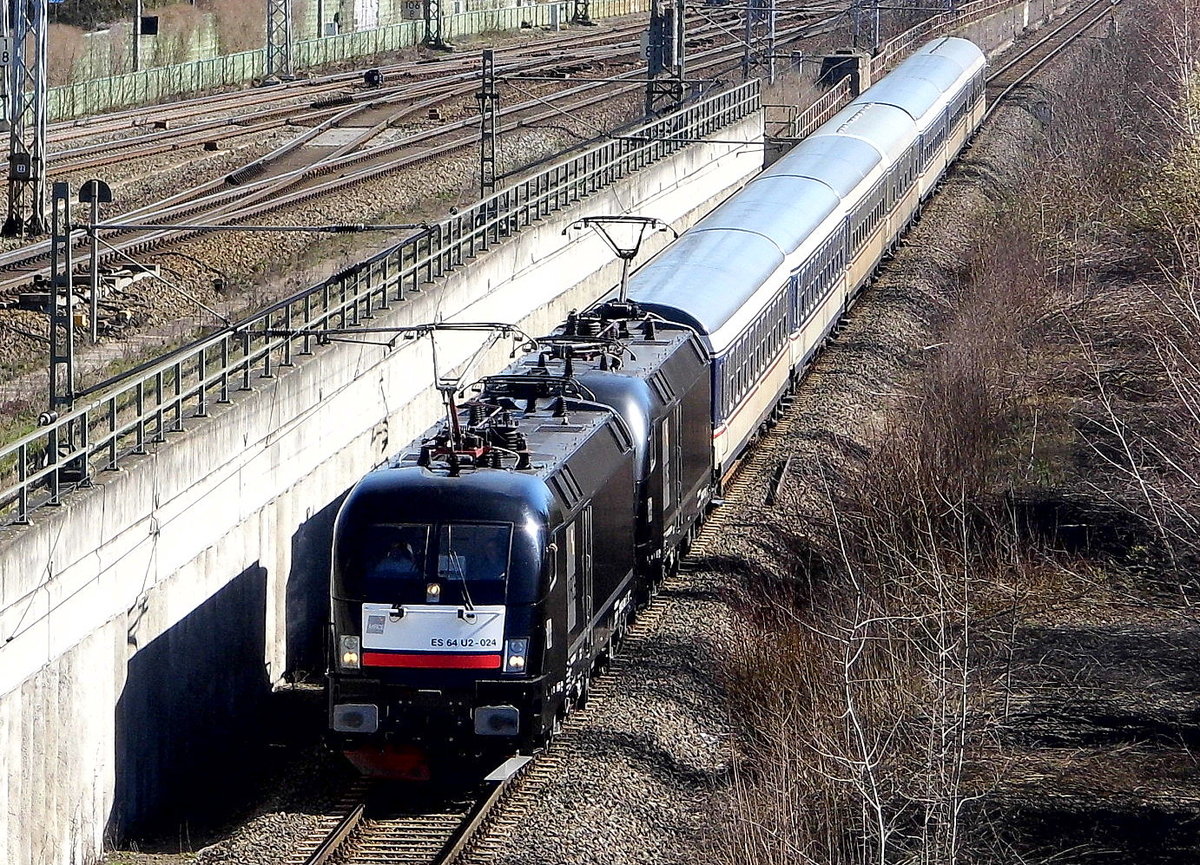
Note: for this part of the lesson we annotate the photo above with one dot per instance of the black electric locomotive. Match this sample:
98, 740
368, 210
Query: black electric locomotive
482, 576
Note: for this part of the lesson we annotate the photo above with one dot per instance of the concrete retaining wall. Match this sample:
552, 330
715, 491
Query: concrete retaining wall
996, 33
148, 618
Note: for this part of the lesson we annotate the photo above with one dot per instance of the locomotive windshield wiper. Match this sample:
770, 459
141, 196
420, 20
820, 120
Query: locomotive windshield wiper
456, 567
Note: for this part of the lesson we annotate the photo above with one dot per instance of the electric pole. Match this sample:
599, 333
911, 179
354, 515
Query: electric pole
760, 39
279, 41
489, 115
27, 119
664, 57
434, 26
864, 16
581, 13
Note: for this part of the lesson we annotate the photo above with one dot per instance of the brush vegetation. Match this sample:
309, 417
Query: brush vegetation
972, 642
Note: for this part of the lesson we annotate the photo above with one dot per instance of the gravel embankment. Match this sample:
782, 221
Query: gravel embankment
641, 764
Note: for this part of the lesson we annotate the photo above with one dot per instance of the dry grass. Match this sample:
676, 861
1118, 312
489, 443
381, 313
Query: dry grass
1041, 469
65, 48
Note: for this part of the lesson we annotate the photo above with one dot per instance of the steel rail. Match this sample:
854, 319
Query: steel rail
337, 836
998, 75
216, 200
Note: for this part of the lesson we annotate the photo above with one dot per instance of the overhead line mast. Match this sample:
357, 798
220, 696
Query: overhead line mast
760, 39
665, 86
279, 41
26, 76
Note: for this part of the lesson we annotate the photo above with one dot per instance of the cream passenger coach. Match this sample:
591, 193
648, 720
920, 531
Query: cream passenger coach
765, 277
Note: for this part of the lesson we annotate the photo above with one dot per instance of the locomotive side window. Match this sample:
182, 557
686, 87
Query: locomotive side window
473, 552
577, 549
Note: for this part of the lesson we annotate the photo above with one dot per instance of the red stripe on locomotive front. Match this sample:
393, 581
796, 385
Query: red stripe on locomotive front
432, 662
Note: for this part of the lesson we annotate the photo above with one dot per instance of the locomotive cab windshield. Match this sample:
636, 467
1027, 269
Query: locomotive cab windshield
412, 563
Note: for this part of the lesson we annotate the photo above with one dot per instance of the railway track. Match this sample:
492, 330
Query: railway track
412, 83
276, 182
381, 825
1003, 80
213, 111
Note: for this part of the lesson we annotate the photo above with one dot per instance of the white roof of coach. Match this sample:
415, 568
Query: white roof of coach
888, 129
783, 208
709, 277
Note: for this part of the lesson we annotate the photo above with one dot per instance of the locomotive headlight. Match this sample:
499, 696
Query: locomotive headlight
433, 593
349, 652
515, 652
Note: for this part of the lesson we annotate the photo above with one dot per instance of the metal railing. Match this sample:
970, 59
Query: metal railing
831, 102
124, 417
899, 47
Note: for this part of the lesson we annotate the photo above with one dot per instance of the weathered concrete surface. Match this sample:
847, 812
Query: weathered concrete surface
148, 618
997, 32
